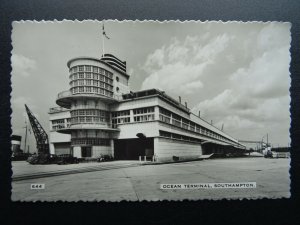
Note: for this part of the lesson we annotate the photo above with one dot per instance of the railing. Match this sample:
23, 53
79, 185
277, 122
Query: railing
57, 109
107, 125
64, 94
68, 93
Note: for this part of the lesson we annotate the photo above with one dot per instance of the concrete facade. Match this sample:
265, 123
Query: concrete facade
99, 115
166, 149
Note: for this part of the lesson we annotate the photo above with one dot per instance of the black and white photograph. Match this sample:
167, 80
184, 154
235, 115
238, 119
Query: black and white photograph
146, 110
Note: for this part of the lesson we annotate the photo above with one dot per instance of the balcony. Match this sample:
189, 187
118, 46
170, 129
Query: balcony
65, 98
57, 110
66, 129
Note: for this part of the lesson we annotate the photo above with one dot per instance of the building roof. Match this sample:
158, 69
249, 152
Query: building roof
106, 62
155, 92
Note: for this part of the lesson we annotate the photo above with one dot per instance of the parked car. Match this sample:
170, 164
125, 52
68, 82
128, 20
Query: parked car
105, 158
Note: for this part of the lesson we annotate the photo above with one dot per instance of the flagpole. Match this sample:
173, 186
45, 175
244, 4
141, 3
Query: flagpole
103, 34
103, 52
102, 44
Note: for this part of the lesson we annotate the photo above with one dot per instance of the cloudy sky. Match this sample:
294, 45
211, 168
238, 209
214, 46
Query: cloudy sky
236, 74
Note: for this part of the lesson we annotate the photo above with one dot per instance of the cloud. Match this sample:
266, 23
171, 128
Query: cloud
256, 98
178, 67
18, 105
22, 66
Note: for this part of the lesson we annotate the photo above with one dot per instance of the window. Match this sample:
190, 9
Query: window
143, 110
95, 69
88, 68
176, 122
117, 89
81, 82
81, 68
117, 79
88, 82
164, 112
81, 75
88, 75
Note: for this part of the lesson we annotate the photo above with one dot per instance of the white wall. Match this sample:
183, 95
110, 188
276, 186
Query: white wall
165, 149
77, 151
150, 129
56, 137
52, 149
134, 103
59, 115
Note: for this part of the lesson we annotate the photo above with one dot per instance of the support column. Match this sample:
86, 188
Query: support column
112, 148
131, 115
156, 113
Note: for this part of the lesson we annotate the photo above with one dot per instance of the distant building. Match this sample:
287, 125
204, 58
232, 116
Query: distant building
99, 115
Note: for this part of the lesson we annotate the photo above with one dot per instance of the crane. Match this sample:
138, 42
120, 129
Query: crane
40, 135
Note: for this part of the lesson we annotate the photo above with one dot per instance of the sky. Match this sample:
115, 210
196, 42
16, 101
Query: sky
236, 74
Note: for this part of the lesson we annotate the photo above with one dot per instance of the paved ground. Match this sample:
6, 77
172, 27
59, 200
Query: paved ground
143, 182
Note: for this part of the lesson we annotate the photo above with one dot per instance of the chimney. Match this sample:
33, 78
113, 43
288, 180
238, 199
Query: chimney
179, 99
185, 104
211, 122
199, 113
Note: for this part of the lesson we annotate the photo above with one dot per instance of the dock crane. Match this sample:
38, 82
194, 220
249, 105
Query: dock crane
41, 137
43, 155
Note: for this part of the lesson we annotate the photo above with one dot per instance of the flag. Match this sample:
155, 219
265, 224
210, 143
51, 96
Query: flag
103, 32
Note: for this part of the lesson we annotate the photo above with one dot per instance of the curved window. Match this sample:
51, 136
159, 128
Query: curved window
91, 79
93, 116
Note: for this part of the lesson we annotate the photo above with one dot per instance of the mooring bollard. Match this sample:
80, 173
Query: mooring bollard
145, 159
140, 158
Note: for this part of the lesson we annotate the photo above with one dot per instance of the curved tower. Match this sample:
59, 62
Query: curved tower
95, 84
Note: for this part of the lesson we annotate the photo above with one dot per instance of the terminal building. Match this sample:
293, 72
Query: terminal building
99, 115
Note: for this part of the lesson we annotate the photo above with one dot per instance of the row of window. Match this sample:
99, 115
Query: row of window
178, 136
121, 120
59, 121
89, 119
91, 83
89, 134
90, 141
94, 90
171, 118
90, 76
89, 112
58, 127
120, 117
120, 113
143, 118
94, 69
60, 124
143, 110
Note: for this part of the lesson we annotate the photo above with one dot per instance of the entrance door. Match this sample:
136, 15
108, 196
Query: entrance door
131, 149
86, 151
